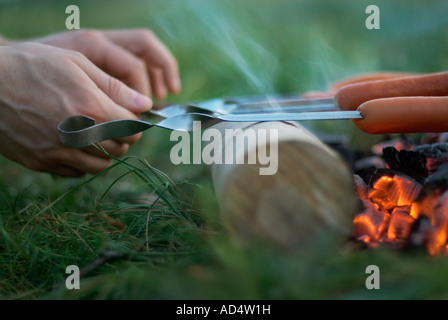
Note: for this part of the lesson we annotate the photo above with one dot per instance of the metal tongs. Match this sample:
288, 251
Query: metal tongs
82, 131
251, 105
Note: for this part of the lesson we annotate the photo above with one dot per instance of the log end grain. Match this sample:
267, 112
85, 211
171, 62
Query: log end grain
311, 194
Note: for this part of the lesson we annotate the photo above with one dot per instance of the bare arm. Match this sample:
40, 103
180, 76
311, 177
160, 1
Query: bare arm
41, 85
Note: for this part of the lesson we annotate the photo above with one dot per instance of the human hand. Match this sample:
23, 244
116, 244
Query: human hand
136, 57
41, 85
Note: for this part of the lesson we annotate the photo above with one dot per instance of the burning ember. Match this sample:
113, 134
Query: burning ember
404, 193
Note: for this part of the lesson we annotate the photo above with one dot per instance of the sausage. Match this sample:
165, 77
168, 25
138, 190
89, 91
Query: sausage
404, 115
356, 79
374, 76
351, 96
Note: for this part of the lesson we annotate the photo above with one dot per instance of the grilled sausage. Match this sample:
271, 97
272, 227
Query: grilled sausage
351, 96
404, 115
373, 76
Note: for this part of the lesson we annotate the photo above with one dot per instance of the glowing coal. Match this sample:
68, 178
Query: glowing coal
405, 204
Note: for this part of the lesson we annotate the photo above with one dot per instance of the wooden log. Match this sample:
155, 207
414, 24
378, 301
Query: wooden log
311, 193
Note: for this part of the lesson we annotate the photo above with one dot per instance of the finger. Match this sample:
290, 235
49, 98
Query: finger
130, 140
123, 65
146, 45
84, 162
108, 148
113, 100
66, 171
114, 89
157, 84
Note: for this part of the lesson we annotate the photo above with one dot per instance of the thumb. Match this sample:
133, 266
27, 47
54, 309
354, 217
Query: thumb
116, 90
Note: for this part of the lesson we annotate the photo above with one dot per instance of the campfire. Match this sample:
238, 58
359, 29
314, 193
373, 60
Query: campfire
403, 188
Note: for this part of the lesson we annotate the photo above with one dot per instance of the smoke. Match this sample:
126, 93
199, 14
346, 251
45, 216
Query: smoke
232, 44
226, 32
236, 48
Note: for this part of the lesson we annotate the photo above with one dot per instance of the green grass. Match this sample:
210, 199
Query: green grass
163, 225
